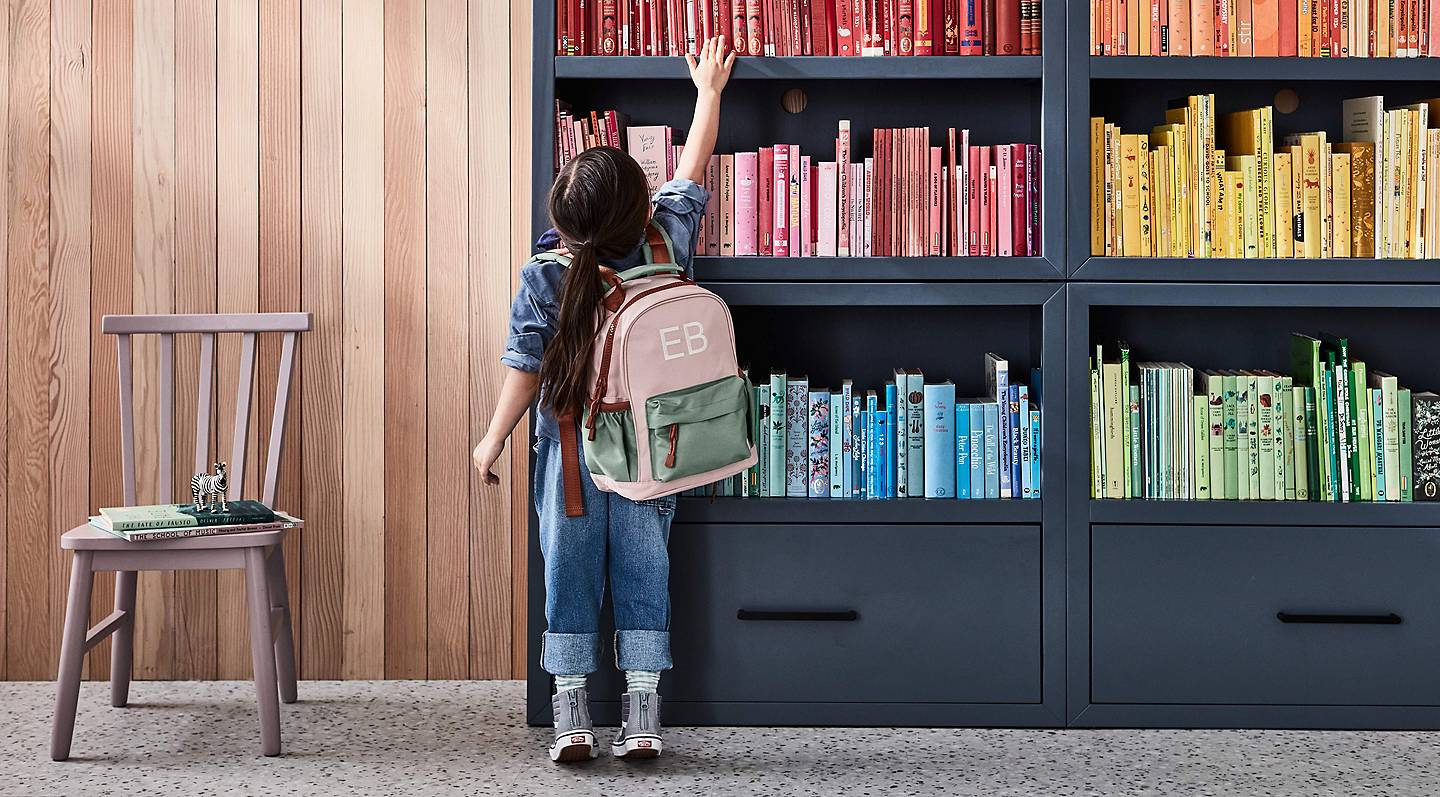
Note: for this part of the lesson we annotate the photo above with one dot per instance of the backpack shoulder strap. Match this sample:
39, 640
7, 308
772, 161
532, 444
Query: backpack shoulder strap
659, 255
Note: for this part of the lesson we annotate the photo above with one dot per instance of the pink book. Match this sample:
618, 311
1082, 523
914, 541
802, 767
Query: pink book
937, 228
869, 192
780, 209
712, 208
765, 200
727, 205
826, 207
1432, 29
857, 207
962, 194
1019, 213
649, 145
1032, 201
807, 248
1178, 30
747, 190
842, 157
793, 206
976, 183
987, 212
1202, 28
1004, 213
813, 234
945, 221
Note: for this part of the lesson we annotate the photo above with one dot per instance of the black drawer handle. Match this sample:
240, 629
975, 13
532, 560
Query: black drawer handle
846, 616
1340, 619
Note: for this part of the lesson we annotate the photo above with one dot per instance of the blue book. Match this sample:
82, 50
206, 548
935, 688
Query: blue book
997, 382
1023, 453
882, 454
839, 459
962, 451
1035, 449
818, 440
857, 446
899, 424
892, 415
872, 477
992, 449
1012, 441
847, 453
977, 447
775, 446
939, 414
797, 428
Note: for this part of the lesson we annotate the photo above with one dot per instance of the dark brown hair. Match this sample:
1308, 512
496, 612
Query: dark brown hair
599, 205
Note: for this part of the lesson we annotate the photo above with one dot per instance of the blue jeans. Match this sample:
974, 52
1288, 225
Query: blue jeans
616, 537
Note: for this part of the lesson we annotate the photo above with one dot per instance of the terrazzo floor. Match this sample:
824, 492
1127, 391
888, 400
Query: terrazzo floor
468, 738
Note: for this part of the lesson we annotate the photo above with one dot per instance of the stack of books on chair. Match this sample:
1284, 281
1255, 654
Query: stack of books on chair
177, 521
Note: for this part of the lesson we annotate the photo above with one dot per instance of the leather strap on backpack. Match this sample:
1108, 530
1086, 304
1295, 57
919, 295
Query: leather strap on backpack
570, 466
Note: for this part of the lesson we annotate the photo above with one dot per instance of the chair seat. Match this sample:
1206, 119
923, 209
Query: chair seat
88, 538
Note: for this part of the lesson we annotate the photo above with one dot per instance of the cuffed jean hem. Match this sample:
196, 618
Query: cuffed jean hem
569, 654
648, 651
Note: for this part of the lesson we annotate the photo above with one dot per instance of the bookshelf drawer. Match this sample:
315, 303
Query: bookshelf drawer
856, 613
1282, 615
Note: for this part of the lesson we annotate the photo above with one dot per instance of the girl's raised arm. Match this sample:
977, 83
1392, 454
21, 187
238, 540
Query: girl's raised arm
710, 72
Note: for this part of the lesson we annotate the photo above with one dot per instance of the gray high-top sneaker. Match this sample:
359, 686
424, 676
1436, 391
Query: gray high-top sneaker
574, 735
639, 735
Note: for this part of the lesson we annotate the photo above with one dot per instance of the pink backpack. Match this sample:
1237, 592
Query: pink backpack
670, 408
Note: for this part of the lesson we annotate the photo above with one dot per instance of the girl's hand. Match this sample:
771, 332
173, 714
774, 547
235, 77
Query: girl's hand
486, 454
711, 71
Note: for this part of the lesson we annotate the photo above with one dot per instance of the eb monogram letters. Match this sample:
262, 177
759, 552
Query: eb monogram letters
691, 337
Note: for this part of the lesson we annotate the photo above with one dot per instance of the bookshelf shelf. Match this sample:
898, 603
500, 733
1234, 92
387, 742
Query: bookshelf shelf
894, 269
1102, 67
1329, 270
826, 511
1264, 513
1019, 67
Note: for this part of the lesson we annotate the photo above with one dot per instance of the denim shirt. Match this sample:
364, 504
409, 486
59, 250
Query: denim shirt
679, 207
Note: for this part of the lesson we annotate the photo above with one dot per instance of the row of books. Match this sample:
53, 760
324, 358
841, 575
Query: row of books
908, 199
1305, 28
1331, 430
799, 27
179, 521
1207, 186
907, 439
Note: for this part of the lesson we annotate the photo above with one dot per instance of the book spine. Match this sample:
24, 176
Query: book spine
962, 453
818, 440
993, 471
1025, 456
847, 453
765, 200
712, 208
1425, 447
978, 481
843, 199
857, 444
899, 404
187, 532
914, 434
797, 459
1300, 442
777, 447
972, 40
839, 460
762, 440
746, 203
1036, 449
726, 199
890, 459
1405, 425
780, 208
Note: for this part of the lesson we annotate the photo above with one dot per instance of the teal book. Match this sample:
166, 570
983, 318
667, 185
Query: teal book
1126, 427
1314, 472
892, 416
1137, 469
818, 444
775, 446
867, 437
1035, 448
942, 419
1339, 480
873, 485
962, 451
1407, 482
915, 433
838, 460
181, 516
997, 383
760, 436
797, 429
976, 411
856, 444
992, 449
898, 404
886, 463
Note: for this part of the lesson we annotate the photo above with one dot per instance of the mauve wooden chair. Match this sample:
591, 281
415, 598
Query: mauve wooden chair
259, 554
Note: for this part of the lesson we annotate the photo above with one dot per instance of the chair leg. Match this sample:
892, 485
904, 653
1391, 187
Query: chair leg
285, 637
72, 654
122, 644
262, 652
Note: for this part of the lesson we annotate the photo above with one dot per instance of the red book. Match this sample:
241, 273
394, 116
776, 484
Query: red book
609, 28
925, 26
972, 175
739, 37
844, 34
765, 202
949, 32
972, 33
1288, 34
1018, 212
821, 27
987, 11
753, 27
905, 28
1007, 27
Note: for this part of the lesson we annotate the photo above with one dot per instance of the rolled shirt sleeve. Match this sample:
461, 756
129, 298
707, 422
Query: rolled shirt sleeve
679, 207
531, 316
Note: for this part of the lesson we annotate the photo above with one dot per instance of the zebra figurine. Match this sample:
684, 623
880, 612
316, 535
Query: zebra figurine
209, 490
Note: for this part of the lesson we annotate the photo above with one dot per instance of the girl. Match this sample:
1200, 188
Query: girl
599, 209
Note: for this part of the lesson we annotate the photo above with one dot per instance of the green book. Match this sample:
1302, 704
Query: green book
1307, 369
1135, 463
1390, 402
1347, 397
1097, 459
1214, 440
1407, 474
1232, 437
775, 454
1243, 422
1200, 417
1284, 442
1312, 445
181, 516
1264, 427
1364, 475
1300, 443
1339, 461
1128, 466
1377, 415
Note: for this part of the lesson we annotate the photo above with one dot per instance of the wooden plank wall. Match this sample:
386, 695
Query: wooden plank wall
363, 160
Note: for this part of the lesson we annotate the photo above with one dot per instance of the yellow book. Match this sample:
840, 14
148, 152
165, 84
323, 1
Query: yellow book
1116, 217
1115, 404
1160, 185
1265, 188
1327, 198
1219, 243
1419, 121
1311, 230
1130, 236
1362, 196
1097, 185
1284, 229
1246, 203
1340, 190
1246, 133
1147, 198
1395, 124
1222, 215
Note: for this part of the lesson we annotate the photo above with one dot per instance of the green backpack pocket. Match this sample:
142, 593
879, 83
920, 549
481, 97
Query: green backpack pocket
699, 428
612, 452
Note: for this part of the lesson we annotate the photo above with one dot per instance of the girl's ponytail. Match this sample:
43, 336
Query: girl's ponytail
599, 205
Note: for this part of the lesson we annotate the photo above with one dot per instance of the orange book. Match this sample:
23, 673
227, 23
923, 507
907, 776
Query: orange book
1267, 27
1243, 22
1178, 28
1202, 27
1222, 27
